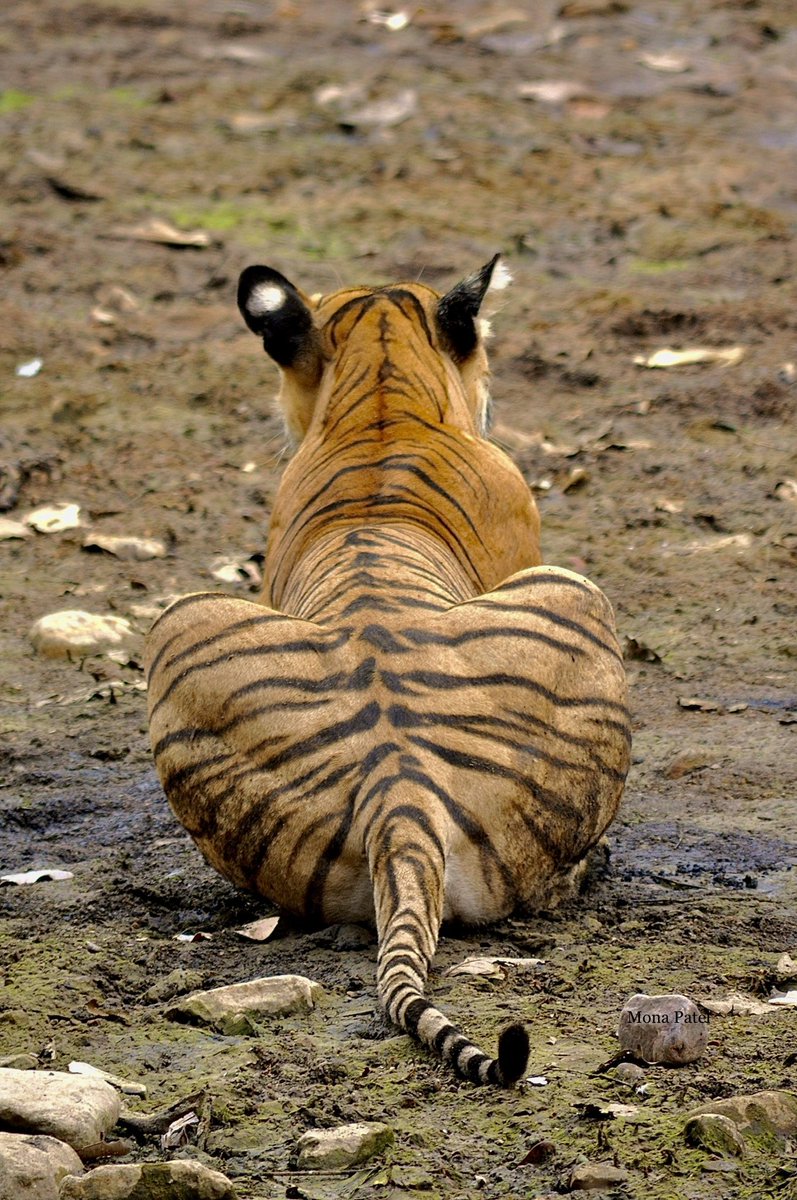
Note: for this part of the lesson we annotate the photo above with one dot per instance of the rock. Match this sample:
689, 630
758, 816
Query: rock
228, 1009
21, 1062
33, 1165
767, 1114
77, 1110
178, 1179
593, 1176
181, 979
663, 1029
687, 762
77, 633
329, 1149
717, 1134
135, 549
630, 1074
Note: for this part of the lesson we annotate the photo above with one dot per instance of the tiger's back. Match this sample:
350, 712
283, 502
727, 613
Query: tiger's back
419, 721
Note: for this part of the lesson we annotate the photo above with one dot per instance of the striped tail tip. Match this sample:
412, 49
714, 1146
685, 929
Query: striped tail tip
433, 1029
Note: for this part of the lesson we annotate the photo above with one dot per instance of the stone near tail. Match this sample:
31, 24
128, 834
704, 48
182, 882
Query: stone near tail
663, 1029
32, 1166
75, 634
596, 1177
179, 1179
331, 1149
629, 1074
715, 1133
230, 1009
75, 1109
760, 1114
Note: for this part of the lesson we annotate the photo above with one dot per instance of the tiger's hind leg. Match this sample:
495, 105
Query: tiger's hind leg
242, 700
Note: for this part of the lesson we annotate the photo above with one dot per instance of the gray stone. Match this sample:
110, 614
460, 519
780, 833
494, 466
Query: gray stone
75, 1109
179, 1179
663, 1029
181, 979
630, 1074
77, 633
759, 1114
590, 1177
20, 1062
33, 1165
230, 1009
329, 1149
715, 1133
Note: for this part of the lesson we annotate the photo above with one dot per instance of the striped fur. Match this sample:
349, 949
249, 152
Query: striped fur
419, 721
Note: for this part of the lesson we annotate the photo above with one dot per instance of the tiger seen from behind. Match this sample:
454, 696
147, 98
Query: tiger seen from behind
418, 721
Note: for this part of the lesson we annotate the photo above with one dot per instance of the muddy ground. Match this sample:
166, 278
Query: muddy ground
652, 205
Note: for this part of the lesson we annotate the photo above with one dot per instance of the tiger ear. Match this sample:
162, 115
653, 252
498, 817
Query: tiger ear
275, 310
458, 309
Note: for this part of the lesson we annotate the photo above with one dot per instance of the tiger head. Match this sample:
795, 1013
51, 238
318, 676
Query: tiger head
309, 338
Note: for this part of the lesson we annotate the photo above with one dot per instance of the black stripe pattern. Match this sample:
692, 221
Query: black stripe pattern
419, 721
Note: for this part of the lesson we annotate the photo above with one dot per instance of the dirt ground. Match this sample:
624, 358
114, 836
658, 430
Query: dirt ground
650, 203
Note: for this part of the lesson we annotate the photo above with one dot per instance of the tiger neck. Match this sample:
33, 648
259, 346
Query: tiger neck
379, 571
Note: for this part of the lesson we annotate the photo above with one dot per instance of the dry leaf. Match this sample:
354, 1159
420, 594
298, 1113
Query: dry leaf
26, 877
177, 1133
600, 1111
693, 702
737, 1005
575, 479
786, 490
27, 370
668, 506
259, 931
551, 91
227, 571
672, 63
193, 937
161, 233
54, 518
134, 549
636, 651
12, 529
477, 966
394, 21
742, 541
384, 113
784, 999
728, 356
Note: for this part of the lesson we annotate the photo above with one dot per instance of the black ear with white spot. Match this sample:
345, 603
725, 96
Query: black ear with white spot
274, 310
458, 309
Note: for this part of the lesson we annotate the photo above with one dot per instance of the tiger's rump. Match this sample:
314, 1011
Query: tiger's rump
500, 712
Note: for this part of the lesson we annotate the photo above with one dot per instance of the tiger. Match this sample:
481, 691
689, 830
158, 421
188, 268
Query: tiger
417, 721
